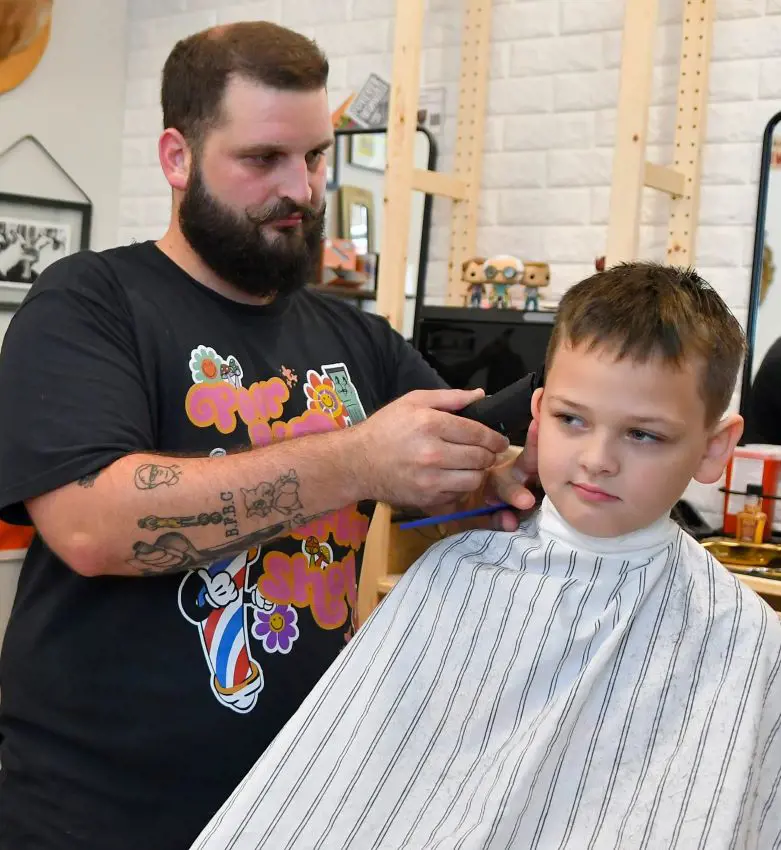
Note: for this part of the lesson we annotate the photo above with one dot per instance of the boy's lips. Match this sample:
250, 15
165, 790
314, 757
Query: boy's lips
593, 494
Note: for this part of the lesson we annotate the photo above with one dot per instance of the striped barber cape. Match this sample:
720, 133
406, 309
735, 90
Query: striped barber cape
535, 690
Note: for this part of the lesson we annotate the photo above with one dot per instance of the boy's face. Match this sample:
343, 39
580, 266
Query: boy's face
619, 441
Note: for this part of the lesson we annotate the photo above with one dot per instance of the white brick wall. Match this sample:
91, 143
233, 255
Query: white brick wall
550, 125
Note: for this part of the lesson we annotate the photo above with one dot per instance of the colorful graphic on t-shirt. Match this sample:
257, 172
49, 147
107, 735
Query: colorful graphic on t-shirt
248, 605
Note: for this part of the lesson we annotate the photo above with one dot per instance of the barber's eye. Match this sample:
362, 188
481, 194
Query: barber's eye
313, 158
265, 159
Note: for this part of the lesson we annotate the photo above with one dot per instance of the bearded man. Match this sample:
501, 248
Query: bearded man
199, 441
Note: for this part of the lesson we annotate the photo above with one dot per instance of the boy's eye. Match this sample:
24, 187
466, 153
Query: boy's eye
569, 419
644, 436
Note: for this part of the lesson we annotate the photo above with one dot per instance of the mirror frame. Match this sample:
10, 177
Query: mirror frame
425, 236
757, 261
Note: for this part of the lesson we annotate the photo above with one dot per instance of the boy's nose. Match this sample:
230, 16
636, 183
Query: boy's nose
599, 457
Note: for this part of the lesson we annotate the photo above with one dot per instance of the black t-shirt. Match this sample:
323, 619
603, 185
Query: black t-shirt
132, 707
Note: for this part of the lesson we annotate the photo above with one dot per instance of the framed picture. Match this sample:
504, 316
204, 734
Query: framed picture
34, 233
368, 150
332, 166
356, 219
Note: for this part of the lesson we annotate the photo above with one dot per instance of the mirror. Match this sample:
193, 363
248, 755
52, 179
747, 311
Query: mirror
356, 192
760, 400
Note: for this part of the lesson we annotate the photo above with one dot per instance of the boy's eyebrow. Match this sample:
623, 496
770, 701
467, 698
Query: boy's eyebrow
640, 420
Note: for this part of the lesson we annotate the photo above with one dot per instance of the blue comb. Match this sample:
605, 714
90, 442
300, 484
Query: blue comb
436, 520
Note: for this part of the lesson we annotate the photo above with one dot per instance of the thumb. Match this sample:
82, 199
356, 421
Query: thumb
452, 400
527, 461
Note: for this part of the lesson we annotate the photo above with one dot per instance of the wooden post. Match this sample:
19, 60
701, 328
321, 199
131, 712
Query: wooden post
634, 99
402, 125
470, 128
690, 127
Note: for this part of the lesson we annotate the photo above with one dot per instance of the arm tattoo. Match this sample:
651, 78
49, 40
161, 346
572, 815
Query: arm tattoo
88, 480
172, 552
151, 475
153, 523
280, 496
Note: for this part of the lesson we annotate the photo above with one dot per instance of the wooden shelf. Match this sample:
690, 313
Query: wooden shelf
344, 291
349, 292
762, 586
386, 584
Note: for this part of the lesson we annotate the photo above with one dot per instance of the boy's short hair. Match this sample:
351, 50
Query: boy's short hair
642, 310
198, 69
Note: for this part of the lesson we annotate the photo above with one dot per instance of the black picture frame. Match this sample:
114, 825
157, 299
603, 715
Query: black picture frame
375, 160
34, 233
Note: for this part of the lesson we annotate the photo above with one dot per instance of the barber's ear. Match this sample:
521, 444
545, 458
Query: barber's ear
537, 404
719, 448
175, 158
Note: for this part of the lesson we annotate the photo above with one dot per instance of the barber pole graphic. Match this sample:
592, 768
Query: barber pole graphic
236, 678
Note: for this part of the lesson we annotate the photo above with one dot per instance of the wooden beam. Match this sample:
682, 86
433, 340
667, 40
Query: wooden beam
664, 179
439, 183
376, 557
470, 129
402, 126
697, 37
634, 100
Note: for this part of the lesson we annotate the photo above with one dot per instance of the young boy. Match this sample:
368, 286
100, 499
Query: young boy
594, 680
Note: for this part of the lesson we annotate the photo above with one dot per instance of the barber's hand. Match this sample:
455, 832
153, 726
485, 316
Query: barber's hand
507, 483
416, 453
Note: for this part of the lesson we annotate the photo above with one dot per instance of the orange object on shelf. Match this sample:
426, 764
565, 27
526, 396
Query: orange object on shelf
751, 465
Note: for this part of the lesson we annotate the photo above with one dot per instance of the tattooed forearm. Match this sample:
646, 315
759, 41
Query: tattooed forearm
151, 475
172, 552
153, 523
88, 480
280, 496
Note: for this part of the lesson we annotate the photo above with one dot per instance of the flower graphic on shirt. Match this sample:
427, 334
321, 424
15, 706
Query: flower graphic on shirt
206, 365
277, 629
322, 395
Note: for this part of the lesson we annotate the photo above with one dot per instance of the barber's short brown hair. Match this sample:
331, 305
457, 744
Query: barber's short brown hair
642, 310
200, 66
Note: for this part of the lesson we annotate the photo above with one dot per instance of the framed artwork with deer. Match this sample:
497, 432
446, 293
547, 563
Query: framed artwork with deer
34, 233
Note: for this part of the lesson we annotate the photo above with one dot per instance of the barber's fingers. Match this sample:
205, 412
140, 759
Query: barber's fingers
467, 432
528, 460
459, 456
450, 400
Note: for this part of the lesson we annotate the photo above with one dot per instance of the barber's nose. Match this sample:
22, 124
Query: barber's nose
295, 181
598, 455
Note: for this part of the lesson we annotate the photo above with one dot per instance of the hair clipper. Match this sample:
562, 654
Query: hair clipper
507, 411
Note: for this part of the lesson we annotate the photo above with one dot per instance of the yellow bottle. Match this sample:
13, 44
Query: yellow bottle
751, 520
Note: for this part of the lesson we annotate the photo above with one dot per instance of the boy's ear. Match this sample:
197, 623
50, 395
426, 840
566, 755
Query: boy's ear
537, 403
720, 446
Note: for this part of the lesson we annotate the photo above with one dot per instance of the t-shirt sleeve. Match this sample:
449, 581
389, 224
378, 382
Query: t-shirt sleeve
73, 395
405, 367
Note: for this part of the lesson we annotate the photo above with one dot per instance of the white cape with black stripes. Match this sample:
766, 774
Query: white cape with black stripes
538, 690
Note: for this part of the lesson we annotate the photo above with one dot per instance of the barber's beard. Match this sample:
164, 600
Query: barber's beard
237, 247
